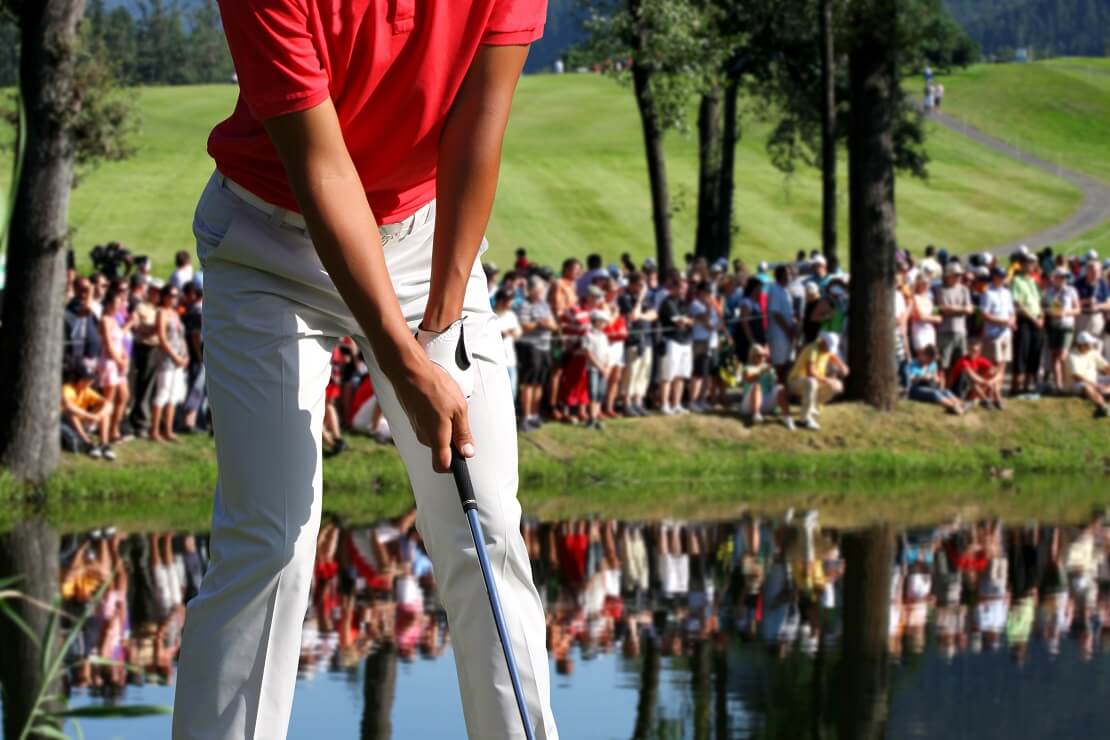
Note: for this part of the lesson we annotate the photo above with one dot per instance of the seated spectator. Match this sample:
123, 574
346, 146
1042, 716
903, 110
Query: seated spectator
1089, 373
762, 392
85, 412
809, 379
925, 386
975, 378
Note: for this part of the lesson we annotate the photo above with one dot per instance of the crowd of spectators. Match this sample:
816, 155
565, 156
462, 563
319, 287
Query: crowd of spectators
594, 342
614, 587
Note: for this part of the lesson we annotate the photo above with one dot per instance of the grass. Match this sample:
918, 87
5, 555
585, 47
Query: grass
863, 464
1058, 110
574, 181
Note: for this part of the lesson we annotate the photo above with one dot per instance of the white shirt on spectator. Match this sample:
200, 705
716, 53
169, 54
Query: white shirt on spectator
999, 303
508, 322
181, 277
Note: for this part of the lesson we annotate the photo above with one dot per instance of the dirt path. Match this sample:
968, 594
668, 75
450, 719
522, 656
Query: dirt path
1094, 211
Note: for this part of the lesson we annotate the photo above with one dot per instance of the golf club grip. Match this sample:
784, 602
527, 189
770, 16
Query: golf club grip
462, 480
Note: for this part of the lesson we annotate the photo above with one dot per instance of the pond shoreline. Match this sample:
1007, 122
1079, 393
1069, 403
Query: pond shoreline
653, 463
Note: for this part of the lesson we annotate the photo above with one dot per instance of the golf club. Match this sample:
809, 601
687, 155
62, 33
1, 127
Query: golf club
470, 506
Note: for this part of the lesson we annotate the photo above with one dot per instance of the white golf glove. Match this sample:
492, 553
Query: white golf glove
448, 350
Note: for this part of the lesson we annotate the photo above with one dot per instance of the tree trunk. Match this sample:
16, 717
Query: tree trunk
649, 692
828, 133
729, 139
874, 91
29, 550
653, 144
379, 687
864, 684
709, 242
31, 336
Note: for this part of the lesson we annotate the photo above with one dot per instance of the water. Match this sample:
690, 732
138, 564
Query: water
747, 628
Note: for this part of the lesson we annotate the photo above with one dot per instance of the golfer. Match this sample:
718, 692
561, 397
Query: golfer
353, 186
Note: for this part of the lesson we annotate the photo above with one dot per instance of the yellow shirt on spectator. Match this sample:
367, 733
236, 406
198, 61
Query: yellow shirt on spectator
811, 354
85, 400
1086, 366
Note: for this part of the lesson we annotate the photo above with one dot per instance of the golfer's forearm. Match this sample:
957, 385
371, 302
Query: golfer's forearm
466, 179
332, 199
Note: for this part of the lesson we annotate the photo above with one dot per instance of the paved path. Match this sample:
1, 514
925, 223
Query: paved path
1094, 211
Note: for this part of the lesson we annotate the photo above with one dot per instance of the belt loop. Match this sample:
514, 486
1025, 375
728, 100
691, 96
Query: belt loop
277, 217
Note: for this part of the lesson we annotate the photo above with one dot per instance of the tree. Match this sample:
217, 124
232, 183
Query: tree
826, 36
209, 57
875, 98
162, 52
69, 117
660, 40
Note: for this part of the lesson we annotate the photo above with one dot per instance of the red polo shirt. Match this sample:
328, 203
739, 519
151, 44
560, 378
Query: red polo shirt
391, 67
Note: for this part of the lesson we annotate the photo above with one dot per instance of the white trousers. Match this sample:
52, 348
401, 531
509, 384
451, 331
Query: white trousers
271, 319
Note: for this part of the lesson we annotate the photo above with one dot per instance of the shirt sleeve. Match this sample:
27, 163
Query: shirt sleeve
276, 60
514, 22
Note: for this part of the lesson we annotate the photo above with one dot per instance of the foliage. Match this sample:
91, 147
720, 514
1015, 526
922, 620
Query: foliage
1048, 27
49, 712
159, 42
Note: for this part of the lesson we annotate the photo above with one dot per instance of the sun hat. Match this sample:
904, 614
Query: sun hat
830, 340
1086, 338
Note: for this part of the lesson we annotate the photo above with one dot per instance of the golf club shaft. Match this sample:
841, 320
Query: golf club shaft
470, 507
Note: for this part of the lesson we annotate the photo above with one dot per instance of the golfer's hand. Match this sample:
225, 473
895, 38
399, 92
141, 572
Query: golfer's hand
437, 410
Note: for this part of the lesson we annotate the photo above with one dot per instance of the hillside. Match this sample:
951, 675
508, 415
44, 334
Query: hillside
574, 181
1058, 110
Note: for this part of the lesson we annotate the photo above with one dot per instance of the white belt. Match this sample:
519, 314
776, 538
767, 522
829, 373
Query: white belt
296, 220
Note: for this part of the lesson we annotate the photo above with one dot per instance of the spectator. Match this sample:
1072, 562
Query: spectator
182, 274
1026, 300
677, 362
563, 297
491, 273
810, 379
534, 351
954, 302
82, 328
1094, 299
617, 333
115, 327
975, 378
763, 394
639, 317
925, 383
509, 325
782, 328
145, 297
817, 311
999, 321
924, 318
169, 384
594, 271
1089, 373
706, 324
86, 412
752, 326
1061, 302
196, 397
597, 353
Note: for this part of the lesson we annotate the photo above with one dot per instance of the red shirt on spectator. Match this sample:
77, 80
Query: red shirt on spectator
392, 69
980, 365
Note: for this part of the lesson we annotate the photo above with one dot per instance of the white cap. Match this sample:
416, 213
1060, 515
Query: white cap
763, 266
953, 268
1092, 255
599, 316
830, 340
1023, 249
818, 260
1061, 272
987, 258
1086, 338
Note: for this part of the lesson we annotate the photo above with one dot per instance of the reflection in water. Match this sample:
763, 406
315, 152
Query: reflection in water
770, 628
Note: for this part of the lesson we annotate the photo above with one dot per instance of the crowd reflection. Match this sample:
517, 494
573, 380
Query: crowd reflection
635, 589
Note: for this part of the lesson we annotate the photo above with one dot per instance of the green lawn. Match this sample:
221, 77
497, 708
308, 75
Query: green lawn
1058, 110
574, 181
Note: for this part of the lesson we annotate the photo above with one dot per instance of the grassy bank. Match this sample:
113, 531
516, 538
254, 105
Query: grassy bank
667, 465
1058, 109
574, 181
